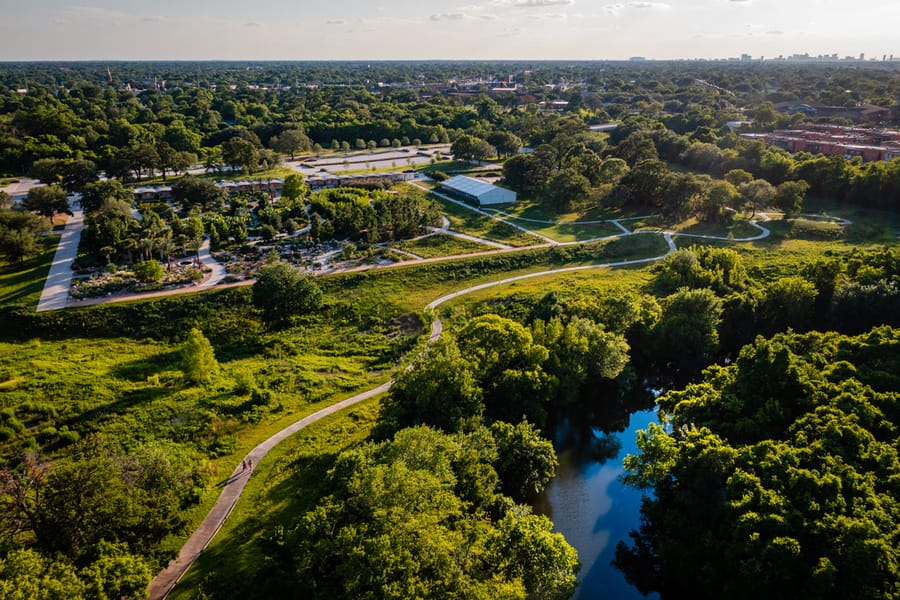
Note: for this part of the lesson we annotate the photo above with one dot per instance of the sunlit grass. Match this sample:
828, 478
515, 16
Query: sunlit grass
441, 245
23, 282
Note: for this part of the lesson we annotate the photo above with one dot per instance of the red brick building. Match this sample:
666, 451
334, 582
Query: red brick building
836, 140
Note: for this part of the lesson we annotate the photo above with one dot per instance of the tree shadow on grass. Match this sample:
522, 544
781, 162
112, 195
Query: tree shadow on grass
141, 369
20, 280
126, 402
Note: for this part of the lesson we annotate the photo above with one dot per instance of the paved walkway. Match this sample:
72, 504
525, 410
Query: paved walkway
163, 583
218, 269
56, 289
481, 212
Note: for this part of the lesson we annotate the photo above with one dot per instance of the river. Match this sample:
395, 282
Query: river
591, 507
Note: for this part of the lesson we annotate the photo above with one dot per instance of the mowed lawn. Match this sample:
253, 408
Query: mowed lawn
23, 282
441, 245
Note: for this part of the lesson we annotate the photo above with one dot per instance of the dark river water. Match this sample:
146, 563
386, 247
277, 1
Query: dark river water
591, 507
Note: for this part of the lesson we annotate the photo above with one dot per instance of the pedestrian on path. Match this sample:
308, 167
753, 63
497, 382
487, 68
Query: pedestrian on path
250, 464
244, 464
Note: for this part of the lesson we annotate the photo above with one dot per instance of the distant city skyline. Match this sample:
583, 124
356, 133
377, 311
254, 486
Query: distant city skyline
428, 29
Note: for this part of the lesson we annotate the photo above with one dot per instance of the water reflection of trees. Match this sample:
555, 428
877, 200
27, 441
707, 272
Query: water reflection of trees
590, 426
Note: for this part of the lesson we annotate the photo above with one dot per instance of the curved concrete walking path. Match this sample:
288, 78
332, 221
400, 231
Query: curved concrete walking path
163, 583
481, 212
56, 289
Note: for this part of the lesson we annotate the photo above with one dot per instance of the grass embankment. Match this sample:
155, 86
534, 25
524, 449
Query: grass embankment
22, 282
738, 229
568, 232
540, 211
410, 287
441, 245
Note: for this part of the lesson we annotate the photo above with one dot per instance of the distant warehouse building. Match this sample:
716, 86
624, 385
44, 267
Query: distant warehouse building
477, 191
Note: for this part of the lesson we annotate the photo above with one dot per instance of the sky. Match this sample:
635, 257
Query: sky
442, 29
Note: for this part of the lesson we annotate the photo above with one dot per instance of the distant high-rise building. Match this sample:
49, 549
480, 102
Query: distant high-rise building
862, 56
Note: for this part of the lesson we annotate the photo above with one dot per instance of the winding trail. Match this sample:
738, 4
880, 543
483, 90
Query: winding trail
163, 583
482, 212
234, 486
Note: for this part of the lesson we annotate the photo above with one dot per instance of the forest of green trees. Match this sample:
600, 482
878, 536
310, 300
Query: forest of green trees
773, 471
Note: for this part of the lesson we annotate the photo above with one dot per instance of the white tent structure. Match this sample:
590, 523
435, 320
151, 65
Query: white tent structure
478, 191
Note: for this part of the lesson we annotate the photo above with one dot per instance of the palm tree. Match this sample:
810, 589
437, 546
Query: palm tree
146, 245
165, 250
108, 252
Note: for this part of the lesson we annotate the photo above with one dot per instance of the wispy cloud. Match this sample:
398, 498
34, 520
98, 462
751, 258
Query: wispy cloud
548, 16
105, 16
648, 5
510, 32
619, 8
447, 17
335, 22
537, 3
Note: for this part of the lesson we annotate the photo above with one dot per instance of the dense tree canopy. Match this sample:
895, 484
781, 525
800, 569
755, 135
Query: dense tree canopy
399, 523
776, 476
47, 201
281, 291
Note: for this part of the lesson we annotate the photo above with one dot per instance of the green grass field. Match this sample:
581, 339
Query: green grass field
531, 209
408, 288
738, 229
23, 282
568, 232
468, 221
441, 245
